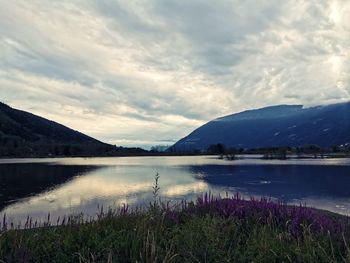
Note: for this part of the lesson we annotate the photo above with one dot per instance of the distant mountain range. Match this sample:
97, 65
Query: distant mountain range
23, 134
275, 126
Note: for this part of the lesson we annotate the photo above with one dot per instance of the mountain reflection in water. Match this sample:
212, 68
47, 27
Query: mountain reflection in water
73, 185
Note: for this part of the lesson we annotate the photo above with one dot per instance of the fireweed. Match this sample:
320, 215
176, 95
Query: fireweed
209, 229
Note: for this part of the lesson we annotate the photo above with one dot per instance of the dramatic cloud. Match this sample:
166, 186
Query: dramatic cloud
149, 72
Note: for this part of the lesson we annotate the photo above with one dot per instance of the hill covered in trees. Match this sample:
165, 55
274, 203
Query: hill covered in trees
23, 134
275, 126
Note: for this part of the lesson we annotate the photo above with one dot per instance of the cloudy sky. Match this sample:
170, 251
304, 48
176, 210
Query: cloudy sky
149, 72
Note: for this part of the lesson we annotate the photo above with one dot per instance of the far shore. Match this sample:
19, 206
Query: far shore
228, 156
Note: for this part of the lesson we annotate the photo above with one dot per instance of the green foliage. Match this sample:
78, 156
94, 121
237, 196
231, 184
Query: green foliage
150, 236
218, 148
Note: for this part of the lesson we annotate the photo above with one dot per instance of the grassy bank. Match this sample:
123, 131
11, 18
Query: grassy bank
208, 230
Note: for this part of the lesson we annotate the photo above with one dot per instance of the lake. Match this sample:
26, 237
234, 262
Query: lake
64, 186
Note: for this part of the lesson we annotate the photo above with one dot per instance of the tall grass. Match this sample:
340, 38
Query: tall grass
211, 229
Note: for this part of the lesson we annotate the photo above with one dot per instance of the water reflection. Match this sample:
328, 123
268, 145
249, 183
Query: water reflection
280, 181
107, 186
73, 185
25, 179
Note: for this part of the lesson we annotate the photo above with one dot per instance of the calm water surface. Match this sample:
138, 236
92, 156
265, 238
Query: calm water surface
37, 187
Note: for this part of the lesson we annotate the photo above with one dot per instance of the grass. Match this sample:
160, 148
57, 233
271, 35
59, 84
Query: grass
211, 229
208, 230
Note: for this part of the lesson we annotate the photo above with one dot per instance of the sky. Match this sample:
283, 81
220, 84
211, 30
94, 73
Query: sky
143, 73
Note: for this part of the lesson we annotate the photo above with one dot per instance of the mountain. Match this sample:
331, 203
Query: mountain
23, 134
275, 126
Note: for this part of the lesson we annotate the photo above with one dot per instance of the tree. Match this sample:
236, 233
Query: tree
218, 148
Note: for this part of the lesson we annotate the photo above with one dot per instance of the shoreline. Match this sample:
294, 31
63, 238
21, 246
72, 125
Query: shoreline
230, 228
219, 156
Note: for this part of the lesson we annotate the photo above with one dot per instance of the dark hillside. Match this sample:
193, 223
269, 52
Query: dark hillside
23, 134
276, 126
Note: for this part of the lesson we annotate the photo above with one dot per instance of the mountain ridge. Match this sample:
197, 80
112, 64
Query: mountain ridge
287, 108
273, 126
23, 134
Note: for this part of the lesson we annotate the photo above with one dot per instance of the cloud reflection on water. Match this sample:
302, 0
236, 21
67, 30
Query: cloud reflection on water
116, 181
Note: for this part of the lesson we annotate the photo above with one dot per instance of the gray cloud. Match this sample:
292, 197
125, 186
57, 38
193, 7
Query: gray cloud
141, 72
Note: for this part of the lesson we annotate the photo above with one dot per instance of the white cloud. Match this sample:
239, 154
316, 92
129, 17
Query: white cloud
152, 71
